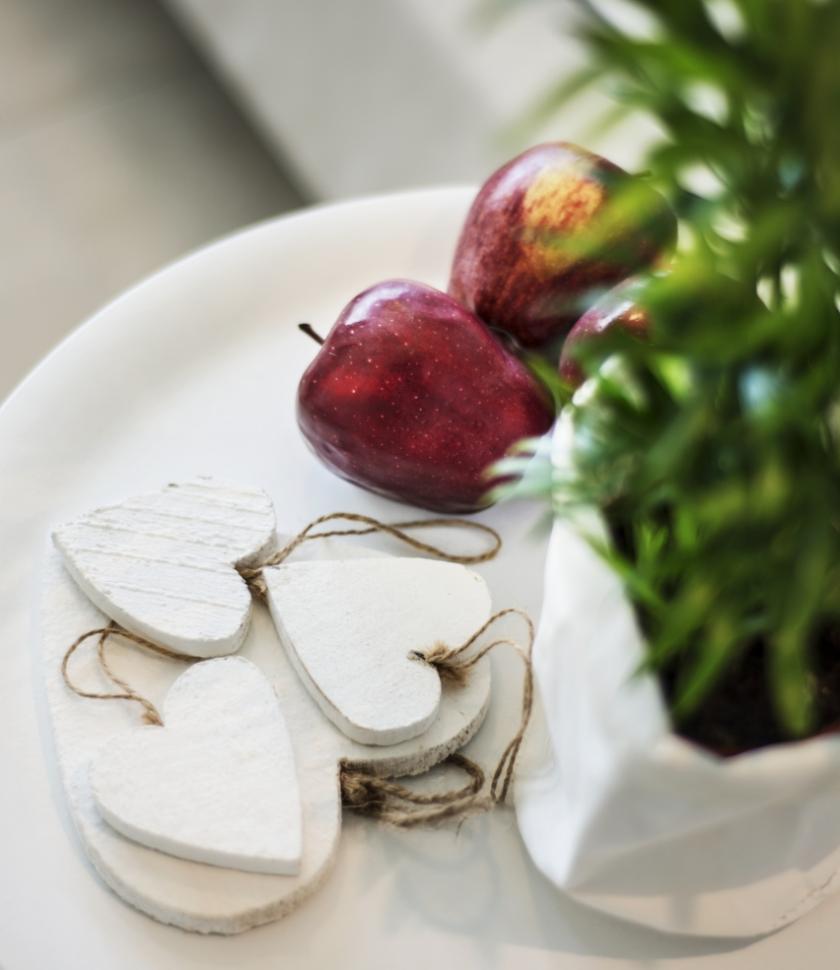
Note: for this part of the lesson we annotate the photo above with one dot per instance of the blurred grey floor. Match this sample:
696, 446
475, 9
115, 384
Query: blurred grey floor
118, 152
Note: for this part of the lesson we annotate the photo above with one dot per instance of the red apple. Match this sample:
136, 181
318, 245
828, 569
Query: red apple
548, 230
616, 309
413, 397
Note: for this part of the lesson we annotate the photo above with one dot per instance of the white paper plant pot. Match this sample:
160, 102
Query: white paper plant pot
627, 817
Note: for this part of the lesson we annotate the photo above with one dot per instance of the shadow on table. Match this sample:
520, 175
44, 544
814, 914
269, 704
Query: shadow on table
479, 882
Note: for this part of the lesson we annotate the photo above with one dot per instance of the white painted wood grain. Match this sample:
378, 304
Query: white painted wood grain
350, 629
217, 782
163, 564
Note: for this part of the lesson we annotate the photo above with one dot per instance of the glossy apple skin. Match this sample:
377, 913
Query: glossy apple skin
615, 309
411, 396
513, 266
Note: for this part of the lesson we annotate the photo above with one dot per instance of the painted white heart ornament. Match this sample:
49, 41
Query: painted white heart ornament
217, 783
162, 565
350, 629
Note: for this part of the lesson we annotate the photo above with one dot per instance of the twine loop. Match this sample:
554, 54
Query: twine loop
455, 663
151, 714
397, 530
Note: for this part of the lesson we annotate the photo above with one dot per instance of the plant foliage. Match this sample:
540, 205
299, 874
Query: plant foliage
713, 446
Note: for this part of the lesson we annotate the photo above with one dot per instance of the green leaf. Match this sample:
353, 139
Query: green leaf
713, 446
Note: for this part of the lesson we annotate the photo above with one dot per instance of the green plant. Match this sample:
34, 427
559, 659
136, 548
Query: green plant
712, 448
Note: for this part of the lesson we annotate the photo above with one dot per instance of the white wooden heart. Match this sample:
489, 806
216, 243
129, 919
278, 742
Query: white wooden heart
163, 564
217, 783
350, 629
192, 895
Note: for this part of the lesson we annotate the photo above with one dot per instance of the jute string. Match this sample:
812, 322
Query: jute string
397, 530
151, 715
366, 793
398, 805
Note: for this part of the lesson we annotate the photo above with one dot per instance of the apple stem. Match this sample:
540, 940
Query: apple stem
310, 331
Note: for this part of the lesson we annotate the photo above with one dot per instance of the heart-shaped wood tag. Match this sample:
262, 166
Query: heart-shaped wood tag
351, 626
217, 783
163, 565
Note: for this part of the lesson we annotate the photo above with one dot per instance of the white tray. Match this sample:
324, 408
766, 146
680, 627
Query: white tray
123, 406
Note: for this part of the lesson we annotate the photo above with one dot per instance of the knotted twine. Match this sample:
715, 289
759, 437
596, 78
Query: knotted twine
369, 794
388, 801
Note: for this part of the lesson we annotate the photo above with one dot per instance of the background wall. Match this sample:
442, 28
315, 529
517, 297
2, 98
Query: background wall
368, 95
119, 151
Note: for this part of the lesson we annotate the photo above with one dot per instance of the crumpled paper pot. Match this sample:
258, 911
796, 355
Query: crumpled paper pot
625, 816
